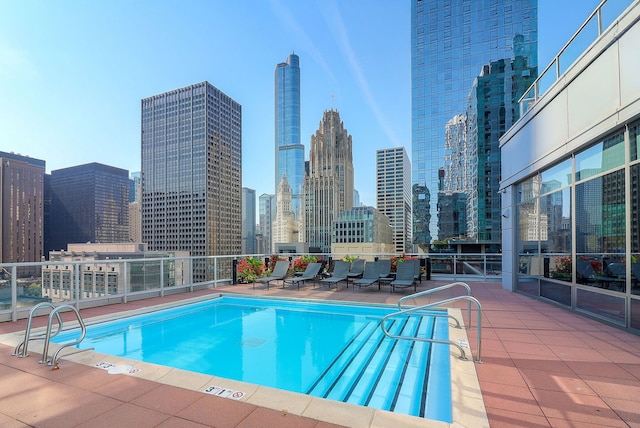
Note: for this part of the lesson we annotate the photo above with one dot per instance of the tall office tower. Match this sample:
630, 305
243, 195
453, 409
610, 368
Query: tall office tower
248, 221
21, 210
267, 214
289, 149
328, 187
89, 203
192, 173
135, 186
135, 207
493, 108
393, 194
285, 228
451, 40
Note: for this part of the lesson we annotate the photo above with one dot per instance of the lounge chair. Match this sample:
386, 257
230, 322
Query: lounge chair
340, 273
404, 276
384, 266
356, 269
417, 273
309, 274
279, 272
370, 275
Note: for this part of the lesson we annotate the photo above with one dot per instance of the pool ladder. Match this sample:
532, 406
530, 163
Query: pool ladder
22, 349
468, 297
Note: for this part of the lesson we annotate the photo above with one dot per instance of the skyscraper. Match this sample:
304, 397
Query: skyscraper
393, 194
192, 172
289, 154
21, 210
89, 203
267, 214
248, 221
285, 228
328, 187
451, 41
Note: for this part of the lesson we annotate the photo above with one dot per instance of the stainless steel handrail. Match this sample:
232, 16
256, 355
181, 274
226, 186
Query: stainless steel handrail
55, 358
443, 287
463, 355
597, 13
22, 349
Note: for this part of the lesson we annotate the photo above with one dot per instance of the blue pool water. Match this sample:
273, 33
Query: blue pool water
335, 351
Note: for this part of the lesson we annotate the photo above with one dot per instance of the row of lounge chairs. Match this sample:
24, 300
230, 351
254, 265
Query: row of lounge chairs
360, 273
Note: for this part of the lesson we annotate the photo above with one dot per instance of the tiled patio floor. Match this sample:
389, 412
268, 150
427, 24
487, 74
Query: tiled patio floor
543, 367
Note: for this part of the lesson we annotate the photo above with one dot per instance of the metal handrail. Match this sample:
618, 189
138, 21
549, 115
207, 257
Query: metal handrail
597, 12
463, 355
55, 358
443, 287
22, 349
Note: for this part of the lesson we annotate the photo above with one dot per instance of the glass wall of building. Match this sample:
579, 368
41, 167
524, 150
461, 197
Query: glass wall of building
578, 237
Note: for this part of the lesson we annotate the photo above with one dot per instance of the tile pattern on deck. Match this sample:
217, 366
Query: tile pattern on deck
543, 367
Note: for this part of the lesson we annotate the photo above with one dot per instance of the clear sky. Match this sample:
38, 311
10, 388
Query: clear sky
73, 72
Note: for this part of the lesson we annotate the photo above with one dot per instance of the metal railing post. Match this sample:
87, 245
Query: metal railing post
14, 294
162, 277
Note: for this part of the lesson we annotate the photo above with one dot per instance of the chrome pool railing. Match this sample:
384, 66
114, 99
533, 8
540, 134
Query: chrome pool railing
463, 355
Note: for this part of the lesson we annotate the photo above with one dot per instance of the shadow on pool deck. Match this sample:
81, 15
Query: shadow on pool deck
543, 366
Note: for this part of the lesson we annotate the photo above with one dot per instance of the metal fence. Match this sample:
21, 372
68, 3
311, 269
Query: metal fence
89, 283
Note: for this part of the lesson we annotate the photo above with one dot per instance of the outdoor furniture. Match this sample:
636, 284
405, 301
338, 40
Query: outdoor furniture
404, 276
279, 272
309, 274
356, 269
340, 273
385, 276
370, 275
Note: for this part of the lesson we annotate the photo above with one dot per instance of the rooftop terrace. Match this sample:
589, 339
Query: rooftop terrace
543, 367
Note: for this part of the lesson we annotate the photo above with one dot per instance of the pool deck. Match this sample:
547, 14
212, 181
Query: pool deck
542, 367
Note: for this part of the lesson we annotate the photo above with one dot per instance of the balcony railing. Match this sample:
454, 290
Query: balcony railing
598, 21
88, 283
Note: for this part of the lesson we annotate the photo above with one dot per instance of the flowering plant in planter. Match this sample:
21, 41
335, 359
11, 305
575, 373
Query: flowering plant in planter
250, 269
272, 263
301, 263
401, 259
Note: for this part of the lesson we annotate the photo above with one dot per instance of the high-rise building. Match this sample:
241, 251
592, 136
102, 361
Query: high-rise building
493, 108
248, 221
451, 40
135, 207
289, 154
285, 228
192, 173
89, 203
267, 214
328, 187
393, 194
21, 210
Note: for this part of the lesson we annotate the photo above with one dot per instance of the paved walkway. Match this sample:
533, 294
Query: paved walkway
543, 367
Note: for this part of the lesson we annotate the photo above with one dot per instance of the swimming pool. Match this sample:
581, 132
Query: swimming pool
334, 351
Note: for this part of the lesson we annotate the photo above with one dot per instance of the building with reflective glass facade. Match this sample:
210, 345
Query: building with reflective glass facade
451, 42
192, 172
571, 180
89, 203
289, 154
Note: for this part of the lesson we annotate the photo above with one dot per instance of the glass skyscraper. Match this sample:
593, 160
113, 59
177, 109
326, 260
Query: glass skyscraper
452, 42
89, 203
289, 154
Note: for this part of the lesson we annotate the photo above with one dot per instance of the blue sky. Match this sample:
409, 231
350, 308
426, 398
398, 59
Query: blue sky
72, 73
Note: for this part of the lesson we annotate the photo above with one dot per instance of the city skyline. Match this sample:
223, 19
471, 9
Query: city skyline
65, 74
